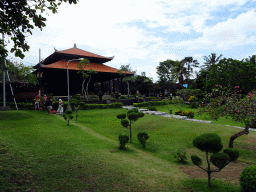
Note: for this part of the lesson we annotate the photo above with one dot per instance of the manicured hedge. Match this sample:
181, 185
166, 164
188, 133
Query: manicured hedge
151, 103
31, 106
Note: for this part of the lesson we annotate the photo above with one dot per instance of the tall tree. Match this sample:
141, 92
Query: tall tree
18, 17
85, 74
19, 72
184, 68
164, 72
211, 60
126, 68
250, 59
230, 73
143, 84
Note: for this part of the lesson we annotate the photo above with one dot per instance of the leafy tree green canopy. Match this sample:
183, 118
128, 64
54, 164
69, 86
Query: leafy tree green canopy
18, 17
19, 72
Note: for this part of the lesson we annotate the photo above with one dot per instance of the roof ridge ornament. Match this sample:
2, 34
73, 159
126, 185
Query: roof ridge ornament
75, 45
55, 49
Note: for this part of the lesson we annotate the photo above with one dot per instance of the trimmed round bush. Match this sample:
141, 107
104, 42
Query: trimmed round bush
232, 153
220, 160
71, 116
65, 116
209, 142
143, 137
123, 139
196, 160
68, 112
140, 114
151, 108
121, 116
133, 116
124, 122
248, 179
135, 110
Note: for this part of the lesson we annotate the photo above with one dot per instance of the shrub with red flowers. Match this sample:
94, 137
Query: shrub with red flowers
234, 106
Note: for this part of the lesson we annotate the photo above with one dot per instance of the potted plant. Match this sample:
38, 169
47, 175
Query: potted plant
100, 94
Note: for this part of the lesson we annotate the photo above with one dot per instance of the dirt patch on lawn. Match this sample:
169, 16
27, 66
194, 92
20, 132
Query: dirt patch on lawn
230, 173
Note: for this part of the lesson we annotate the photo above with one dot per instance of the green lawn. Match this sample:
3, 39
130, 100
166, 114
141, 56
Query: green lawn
40, 152
203, 116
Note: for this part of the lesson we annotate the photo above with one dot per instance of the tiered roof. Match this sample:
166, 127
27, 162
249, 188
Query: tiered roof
59, 59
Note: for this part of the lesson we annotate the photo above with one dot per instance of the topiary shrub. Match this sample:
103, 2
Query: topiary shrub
123, 139
220, 160
232, 153
133, 115
121, 116
68, 115
248, 179
151, 108
125, 122
211, 143
196, 160
143, 137
140, 114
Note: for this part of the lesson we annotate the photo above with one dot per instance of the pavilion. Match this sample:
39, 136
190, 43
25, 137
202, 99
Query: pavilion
52, 73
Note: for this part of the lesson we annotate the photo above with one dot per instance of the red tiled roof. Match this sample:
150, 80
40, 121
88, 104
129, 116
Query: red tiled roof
72, 65
80, 52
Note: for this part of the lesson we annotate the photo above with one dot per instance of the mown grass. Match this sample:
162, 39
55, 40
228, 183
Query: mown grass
39, 152
203, 116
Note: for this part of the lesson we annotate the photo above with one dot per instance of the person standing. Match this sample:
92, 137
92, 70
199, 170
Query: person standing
60, 109
48, 104
44, 101
37, 106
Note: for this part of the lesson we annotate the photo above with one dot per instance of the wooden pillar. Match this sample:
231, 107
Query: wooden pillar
101, 86
122, 91
109, 86
114, 86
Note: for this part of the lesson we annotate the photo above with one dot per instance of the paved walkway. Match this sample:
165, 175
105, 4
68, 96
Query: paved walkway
164, 114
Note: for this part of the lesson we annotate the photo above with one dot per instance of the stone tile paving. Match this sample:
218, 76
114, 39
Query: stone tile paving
164, 114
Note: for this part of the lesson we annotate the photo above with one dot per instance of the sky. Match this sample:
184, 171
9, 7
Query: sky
146, 32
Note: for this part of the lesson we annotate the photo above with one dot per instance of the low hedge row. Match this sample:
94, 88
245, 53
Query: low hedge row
31, 106
151, 103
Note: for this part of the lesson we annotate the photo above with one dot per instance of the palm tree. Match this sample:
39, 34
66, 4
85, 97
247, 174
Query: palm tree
211, 60
180, 70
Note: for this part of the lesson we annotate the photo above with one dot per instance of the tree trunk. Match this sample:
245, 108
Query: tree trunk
130, 131
208, 170
83, 92
128, 90
233, 137
87, 87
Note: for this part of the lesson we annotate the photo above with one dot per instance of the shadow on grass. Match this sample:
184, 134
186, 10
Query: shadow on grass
201, 185
13, 115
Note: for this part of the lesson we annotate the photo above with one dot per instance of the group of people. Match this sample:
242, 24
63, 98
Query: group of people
47, 103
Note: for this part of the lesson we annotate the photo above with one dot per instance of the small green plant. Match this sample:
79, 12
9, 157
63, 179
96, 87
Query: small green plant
151, 108
189, 114
68, 115
180, 156
211, 143
133, 115
143, 138
248, 179
193, 105
178, 102
123, 139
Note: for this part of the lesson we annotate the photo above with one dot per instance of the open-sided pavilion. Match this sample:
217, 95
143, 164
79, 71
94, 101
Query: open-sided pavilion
52, 73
